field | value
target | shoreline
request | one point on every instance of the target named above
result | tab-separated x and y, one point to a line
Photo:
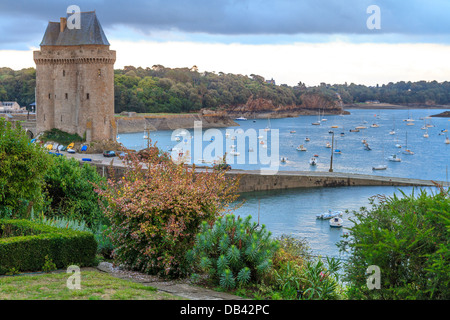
392	106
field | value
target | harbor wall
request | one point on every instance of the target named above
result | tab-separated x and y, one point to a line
251	181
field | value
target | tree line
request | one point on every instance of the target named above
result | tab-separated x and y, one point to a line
179	90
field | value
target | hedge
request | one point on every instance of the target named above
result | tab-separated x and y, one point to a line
24	246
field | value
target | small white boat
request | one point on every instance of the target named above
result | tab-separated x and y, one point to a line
392	132
380	167
328	145
329	214
307	139
336	222
394	158
374	125
241	119
313	161
301	148
293	131
447	140
283	159
71	151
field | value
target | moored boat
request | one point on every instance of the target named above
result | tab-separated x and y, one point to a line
336	222
329	214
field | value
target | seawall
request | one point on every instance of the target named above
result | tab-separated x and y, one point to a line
254	180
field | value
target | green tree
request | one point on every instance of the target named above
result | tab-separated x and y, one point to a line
70	192
408	238
22	168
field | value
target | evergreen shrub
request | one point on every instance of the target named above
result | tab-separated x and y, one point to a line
233	251
27	246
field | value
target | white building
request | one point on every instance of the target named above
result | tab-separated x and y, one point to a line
10	107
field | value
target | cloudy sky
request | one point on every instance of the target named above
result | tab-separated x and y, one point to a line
311	41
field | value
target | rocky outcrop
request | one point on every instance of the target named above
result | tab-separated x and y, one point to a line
445	114
264	108
172	122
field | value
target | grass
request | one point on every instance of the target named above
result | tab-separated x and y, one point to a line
95	285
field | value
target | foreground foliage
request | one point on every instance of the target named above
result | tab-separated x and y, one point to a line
70	192
157	208
30	246
233	251
408	239
22	168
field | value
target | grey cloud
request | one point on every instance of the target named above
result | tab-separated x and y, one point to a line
238	17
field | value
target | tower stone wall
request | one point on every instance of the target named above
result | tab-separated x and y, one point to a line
75	83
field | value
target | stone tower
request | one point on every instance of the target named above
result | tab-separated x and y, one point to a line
75	80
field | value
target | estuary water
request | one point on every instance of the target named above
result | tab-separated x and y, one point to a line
293	212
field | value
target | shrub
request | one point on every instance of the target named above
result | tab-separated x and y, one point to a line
233	251
101	232
156	210
289	262
29	246
22	167
408	239
320	280
70	192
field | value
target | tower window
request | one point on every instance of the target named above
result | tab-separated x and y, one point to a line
49	95
99	72
87	96
64	73
67	96
61	118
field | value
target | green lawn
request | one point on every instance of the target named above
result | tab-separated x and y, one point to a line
95	285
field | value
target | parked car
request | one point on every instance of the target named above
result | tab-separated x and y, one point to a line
109	153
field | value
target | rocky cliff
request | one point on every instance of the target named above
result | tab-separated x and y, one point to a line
263	108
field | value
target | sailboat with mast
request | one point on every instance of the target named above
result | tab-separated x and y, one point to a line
317	123
407	151
268	125
380	166
392	132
